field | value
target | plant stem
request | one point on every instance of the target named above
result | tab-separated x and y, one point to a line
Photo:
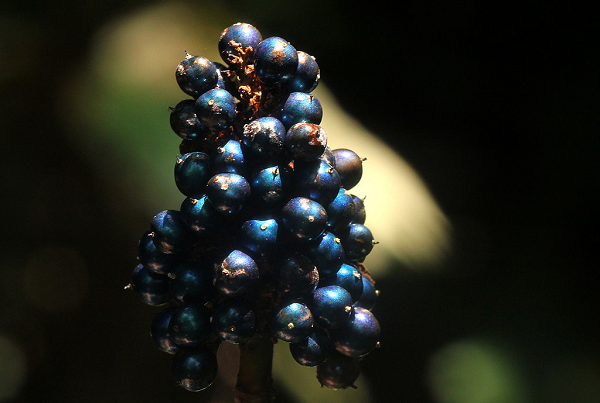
255	383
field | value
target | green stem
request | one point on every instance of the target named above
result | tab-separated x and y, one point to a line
255	382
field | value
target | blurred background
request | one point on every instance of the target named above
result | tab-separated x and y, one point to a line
479	122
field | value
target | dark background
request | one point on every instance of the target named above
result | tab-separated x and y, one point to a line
495	104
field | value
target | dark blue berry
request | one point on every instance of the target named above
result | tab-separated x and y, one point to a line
190	325
330	306
349	167
225	82
194	369
328	157
359	335
357	241
259	237
192	171
304	218
307	74
340	211
184	122
296	276
152	288
244	34
191	282
215	109
316	180
234	321
169	233
264	139
199	215
237	275
228	158
159	331
313	350
300	107
305	141
338	371
360	214
349	278
292	321
327	253
269	186
196	75
152	258
276	60
369	295
228	192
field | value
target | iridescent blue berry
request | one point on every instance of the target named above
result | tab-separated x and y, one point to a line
264	139
215	109
349	167
196	75
360	214
195	369
234	321
330	306
237	275
317	180
292	321
244	34
296	276
305	141
169	233
259	237
349	278
152	288
191	282
359	335
340	211
190	325
357	241
327	253
269	186
338	371
159	331
369	295
199	215
313	350
300	107
152	258
192	171
276	60
228	192
304	218
184	122
228	158
307	74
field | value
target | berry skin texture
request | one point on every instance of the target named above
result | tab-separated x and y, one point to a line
228	192
152	258
238	274
159	331
305	141
259	237
152	288
199	215
369	295
228	158
292	322
331	306
264	138
327	253
234	321
318	181
184	122
349	166
304	218
215	109
244	34
296	275
359	335
190	325
338	371
301	107
169	233
276	60
192	171
195	369
357	241
191	282
349	278
307	74
313	350
340	211
196	75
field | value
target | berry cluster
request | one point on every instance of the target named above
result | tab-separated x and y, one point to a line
268	239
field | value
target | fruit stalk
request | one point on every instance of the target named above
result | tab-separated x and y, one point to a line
255	382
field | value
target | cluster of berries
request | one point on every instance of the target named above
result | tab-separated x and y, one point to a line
268	239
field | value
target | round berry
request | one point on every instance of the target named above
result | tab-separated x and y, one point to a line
305	141
194	369
184	122
228	192
159	331
300	107
340	211
215	109
196	75
330	306
236	39
349	167
228	158
304	218
269	186
276	60
191	282
349	278
192	171
359	335
264	138
190	325
318	181
360	214
307	74
338	371
296	276
357	241
238	274
152	258
199	215
234	321
292	322
259	237
152	288
313	350
169	233
369	295
327	253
